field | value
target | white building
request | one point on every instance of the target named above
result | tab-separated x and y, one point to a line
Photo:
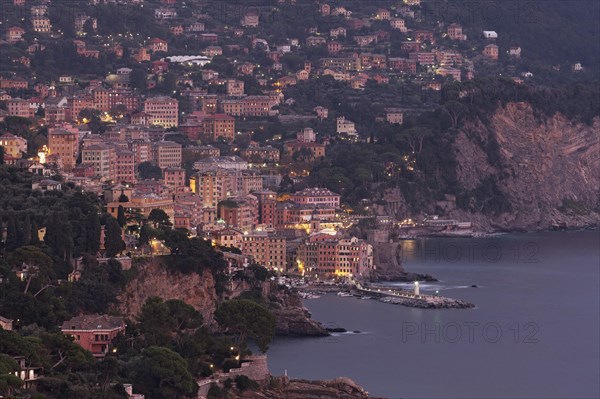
345	127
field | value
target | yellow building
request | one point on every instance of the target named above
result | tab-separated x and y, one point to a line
14	146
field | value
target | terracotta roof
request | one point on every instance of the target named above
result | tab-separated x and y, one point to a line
93	322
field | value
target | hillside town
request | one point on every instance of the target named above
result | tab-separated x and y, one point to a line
190	152
172	170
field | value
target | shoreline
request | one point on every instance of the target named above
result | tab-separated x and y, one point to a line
495	233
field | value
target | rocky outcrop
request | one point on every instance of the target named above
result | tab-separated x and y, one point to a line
548	169
296	321
153	279
291	317
387	257
281	387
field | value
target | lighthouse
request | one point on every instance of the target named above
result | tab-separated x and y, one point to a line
416	288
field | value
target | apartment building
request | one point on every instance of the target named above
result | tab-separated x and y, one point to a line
167	154
64	144
328	256
103	158
164	111
266	249
316	196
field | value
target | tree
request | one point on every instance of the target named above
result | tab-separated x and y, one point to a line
155	322
39	266
169	84
148	170
88	27
93	232
121	216
8	381
13	238
1	155
159	219
113	241
161	373
123	198
184	315
26	230
454	110
1	233
138	78
146	234
245	318
59	235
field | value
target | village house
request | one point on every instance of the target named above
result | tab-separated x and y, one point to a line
491	52
344	126
398	23
14	34
322	112
94	333
315	41
250	20
515	52
394	115
383	14
336	32
157	45
455	32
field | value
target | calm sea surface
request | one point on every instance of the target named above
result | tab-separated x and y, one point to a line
533	334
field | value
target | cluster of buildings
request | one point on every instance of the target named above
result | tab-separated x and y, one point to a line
228	198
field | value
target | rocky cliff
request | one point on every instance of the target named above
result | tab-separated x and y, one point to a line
548	169
292	318
518	171
153	279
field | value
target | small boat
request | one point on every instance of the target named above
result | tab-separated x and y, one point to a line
341	293
366	297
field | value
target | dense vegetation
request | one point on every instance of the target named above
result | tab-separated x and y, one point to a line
165	348
415	156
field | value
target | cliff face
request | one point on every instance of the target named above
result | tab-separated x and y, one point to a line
548	170
292	318
199	291
154	280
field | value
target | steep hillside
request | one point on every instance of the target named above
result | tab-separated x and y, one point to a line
535	172
153	279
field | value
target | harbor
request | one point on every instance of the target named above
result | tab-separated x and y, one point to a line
390	295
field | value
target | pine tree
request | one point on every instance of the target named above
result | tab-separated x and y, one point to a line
35	240
13	239
93	229
113	243
1	229
26	230
59	236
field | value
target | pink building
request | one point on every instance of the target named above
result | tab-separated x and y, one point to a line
317	196
174	178
94	333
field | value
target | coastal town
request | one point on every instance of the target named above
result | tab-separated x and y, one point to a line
172	170
194	153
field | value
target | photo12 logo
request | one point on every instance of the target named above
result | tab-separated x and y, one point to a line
470	332
472	252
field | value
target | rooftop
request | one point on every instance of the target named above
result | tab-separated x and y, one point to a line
93	322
